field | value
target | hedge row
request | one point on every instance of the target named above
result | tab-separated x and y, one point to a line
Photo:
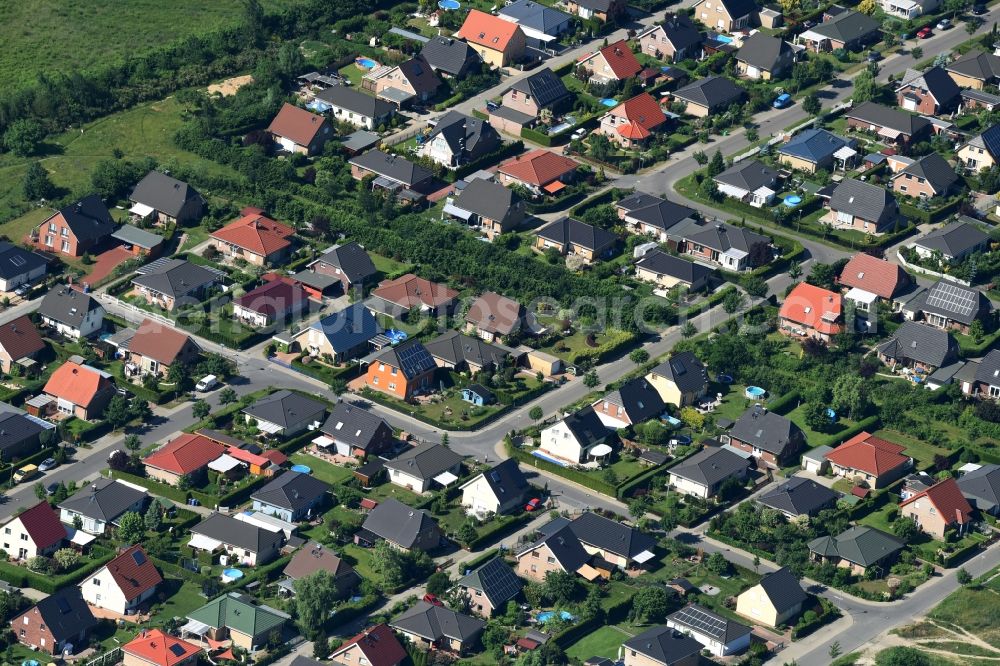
612	615
573	475
929	216
507	150
164	490
498	528
828	614
536	137
22	577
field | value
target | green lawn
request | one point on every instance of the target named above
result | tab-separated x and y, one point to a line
389	268
387	490
321	469
361	559
922	452
976	610
185	599
605	642
354	74
571	346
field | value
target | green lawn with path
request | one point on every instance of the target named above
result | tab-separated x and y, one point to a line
321	469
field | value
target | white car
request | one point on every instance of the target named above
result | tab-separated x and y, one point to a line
579	134
944	24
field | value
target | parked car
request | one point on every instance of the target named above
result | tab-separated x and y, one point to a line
492	106
579	134
432	599
874	56
51	489
533	504
944	24
47	464
925	33
782	100
206	383
979	10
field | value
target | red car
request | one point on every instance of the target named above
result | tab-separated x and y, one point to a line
925	33
533	504
432	599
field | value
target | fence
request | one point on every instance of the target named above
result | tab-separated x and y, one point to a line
106	659
146	314
927	271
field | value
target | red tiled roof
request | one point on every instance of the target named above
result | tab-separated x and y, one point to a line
257	234
946	497
42	525
20	338
620	59
813	307
134	573
162	649
874	275
248	457
634	131
185	455
870	454
296	124
487	30
275	456
379	645
539	167
411	291
368	503
158	342
641	110
76	384
275	297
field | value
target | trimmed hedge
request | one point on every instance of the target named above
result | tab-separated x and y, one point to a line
929	216
22	577
536	137
482	559
498	528
573	475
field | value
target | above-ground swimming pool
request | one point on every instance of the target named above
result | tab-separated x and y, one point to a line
545	616
607	101
793	200
301	469
449	4
366	63
395	335
231	574
683	440
754	392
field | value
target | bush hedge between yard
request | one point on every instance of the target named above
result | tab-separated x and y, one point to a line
498	528
22	577
576	476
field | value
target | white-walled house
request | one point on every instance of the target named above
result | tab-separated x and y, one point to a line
71	312
499	490
572	438
35	532
124	584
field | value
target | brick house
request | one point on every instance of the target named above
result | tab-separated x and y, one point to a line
940	508
633	122
80	390
928	177
155	348
19	339
558	550
402	371
675	39
930	92
348	263
375	646
186	456
75	229
255	238
871	459
296	130
770	438
56	625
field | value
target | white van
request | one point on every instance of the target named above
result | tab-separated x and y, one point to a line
206	383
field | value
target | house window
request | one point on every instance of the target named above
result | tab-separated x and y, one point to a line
24	537
65	246
6	530
48	241
995	391
374	380
52	226
97	582
64	232
551	560
392	387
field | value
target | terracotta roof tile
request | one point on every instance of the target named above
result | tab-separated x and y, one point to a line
256	233
874	275
379	646
488	30
641	110
813	307
134	573
159	648
539	167
947	499
274	298
76	383
158	342
185	454
494	313
297	124
412	291
870	454
620	59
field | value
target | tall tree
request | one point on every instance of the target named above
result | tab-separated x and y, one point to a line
315	596
37	184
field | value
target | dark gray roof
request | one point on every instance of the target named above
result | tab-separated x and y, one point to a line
103	499
355	101
860	544
765	52
411	357
638	398
935	81
664	645
935	170
922	343
685	370
712	92
864	200
433	623
596	5
531	14
989	140
360	140
508	484
496	579
679	30
356	426
164	193
783	590
611	536
951	300
740	8
814	145
138	237
420	75
349	328
425	461
449	55
663	263
487	198
981	487
980	96
286	408
766	431
392	167
571	231
16	431
848	27
15	261
988	369
457	348
654	211
748	175
88	218
67	305
398	523
799	497
711	466
176	278
467	136
954	239
350	258
976	64
700	620
291	490
234	532
586	427
544	86
884	116
66	614
513	115
563	543
722	236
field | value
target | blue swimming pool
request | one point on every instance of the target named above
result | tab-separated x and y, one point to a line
832	415
301	469
754	392
554	461
546	616
396	336
793	200
449	4
607	101
232	574
724	379
724	39
367	63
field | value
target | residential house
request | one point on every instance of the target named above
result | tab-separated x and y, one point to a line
291	496
499	490
286	413
614	62
411	80
80	390
296	130
21	434
155	647
949	305
750	181
864	207
981	488
20	343
478	395
891	125
402	371
718	635
612	542
633	122
652	216
76	229
490	586
124	584
676	39
185	457
458	140
138	243
703	474
772	439
357	108
394	174
601	10
427	625
908	10
573	237
156	348
811	312
409	292
255	238
918	347
573	437
661	646
985	381
734	248
798	497
976	69
555	550
541	24
536	92
539	171
848	30
403	527
420	466
938	509
375	646
58	625
71	312
454	350
349	263
953	242
871	459
764	57
931	92
498	42
487	205
710	95
356	432
35	532
169	283
980	152
343	335
101	504
270	303
680	380
161	198
243	543
869	278
726	15
814	149
776	600
492	316
635	402
668	271
973	100
19	267
450	57
315	557
237	617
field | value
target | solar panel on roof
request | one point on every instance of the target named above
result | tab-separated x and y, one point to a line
709	624
952	298
139	557
177	650
501	584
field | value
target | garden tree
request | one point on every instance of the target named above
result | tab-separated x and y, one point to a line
733	301
709	189
40	490
638	506
692	418
140	410
591	605
40	564
717	164
535	413
795	271
865	86
902	656
700	157
989	180
533	658
650	605
117	412
467	533
752	134
132	442
591	380
600	147
755	286
113	178
851	395
718	564
438	583
321	647
868	6
119	461
917	53
559	586
688	330
23	137
227	396
811	104
639	356
815	416
388	565
962	576
652	432
66	558
131	528
609	477
494	637
977	331
790	6
512	617
905	529
153	518
201	409
315	596
37	184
